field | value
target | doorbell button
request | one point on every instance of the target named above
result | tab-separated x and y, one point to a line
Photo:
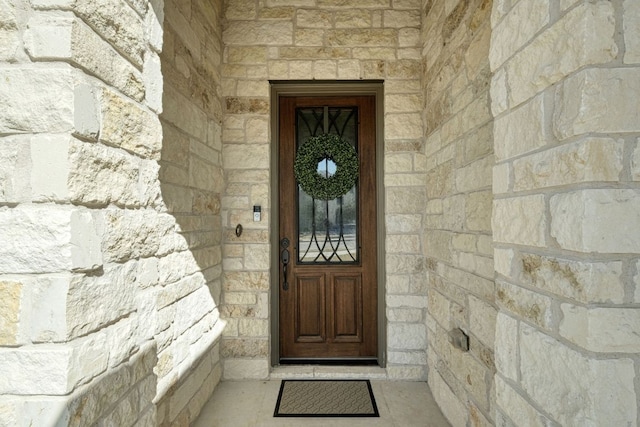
256	213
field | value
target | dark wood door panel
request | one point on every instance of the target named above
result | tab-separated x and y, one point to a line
329	309
345	294
310	306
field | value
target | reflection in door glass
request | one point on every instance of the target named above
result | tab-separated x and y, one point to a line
327	229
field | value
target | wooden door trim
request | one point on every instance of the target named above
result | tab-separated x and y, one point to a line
326	88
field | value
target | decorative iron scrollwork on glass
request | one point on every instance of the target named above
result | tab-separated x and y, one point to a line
327	229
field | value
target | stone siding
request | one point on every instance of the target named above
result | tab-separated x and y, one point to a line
324	40
457	229
109	284
135	135
192	182
566	212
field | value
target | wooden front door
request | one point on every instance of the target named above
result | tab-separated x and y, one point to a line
328	279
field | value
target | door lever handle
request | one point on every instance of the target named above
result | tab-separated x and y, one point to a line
284	258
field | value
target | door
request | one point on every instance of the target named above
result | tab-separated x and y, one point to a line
328	278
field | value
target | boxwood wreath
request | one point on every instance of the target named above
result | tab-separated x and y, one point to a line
331	147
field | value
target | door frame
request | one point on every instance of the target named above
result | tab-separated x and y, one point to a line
278	89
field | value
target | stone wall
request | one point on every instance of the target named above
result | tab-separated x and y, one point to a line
566	213
458	130
105	308
323	40
124	171
192	182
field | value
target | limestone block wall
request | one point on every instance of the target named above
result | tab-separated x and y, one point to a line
458	130
105	308
566	215
192	182
322	40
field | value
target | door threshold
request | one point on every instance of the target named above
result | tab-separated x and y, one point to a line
372	372
330	361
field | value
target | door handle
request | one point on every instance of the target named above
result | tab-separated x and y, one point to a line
284	258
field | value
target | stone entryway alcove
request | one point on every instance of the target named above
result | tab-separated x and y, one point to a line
135	136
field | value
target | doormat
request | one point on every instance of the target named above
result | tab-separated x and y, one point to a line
326	398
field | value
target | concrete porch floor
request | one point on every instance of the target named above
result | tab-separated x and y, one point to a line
251	403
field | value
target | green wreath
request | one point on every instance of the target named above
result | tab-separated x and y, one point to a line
333	148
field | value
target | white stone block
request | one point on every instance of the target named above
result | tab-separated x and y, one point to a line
86	119
603	221
585	36
11	308
153	81
52	369
89	358
514	405
403	223
50	4
501	178
407	358
598	100
131	234
15	169
182	112
62	35
403	126
43	316
48	239
478	209
592	159
36	99
499	92
132	127
475	176
531	306
256	32
405	373
26	411
604	330
521	130
484	288
631	26
587	282
519	26
474	115
50	167
253	327
506	346
153	25
172	292
520	220
86	253
94	302
502	261
407	336
120	25
635	162
257	130
452	408
404	314
573	388
253	88
482	321
150	189
192	308
246	156
49	35
122	338
13	16
565	4
440	309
